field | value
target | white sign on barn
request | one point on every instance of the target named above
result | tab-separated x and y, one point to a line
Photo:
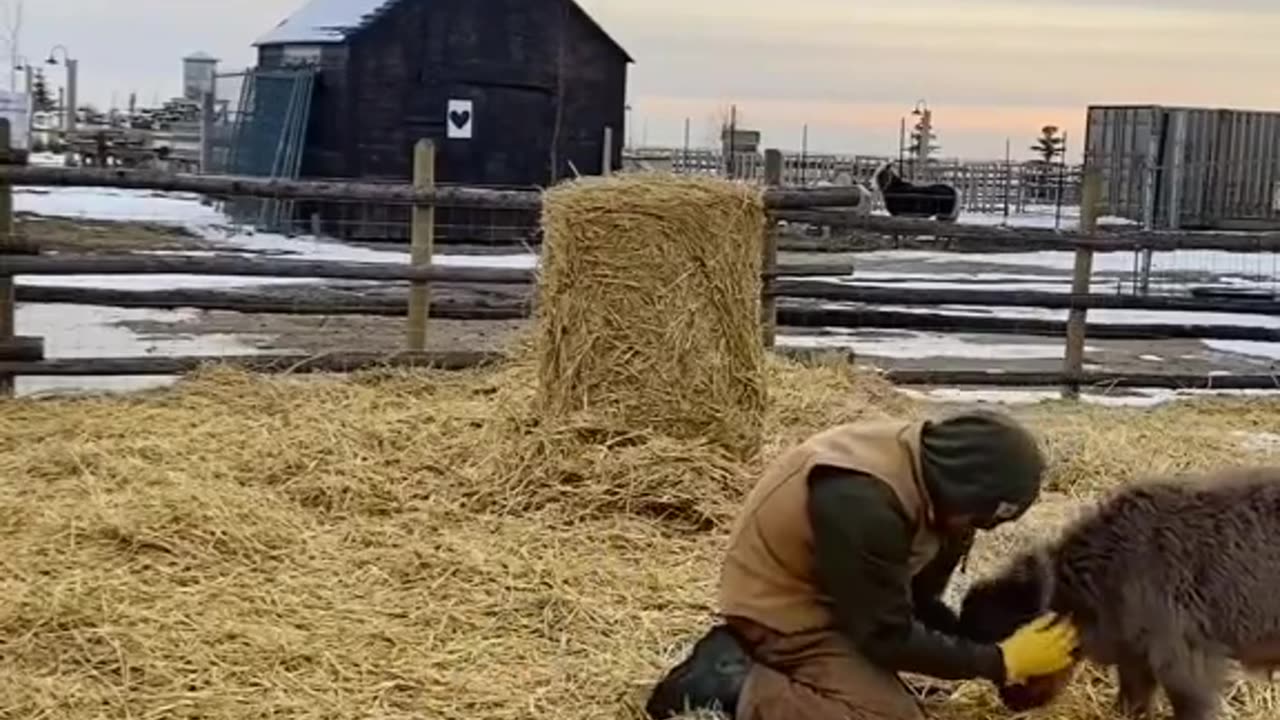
460	119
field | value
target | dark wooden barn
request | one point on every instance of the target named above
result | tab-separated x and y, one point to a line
540	78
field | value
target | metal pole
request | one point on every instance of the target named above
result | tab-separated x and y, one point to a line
606	160
733	131
31	105
686	145
804	153
73	67
1008	172
902	141
1062	179
206	131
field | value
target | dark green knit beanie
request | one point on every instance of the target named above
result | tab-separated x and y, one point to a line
982	463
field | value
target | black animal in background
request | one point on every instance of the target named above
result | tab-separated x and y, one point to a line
1167	581
906	199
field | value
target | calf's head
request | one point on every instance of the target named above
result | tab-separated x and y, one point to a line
995	608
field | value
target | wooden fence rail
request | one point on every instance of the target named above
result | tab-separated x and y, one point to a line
957	234
134	264
351	362
788	314
345	191
776	286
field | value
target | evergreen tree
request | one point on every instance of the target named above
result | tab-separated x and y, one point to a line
41	100
922	137
1050	145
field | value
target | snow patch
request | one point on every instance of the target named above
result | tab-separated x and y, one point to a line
1264	443
77	331
323	21
1138	398
916	345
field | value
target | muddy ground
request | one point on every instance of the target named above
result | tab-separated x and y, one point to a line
52	234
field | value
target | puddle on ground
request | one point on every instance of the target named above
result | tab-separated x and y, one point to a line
78	331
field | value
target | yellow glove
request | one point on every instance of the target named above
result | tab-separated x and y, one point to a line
1041	647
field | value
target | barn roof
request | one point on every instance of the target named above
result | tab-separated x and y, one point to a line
323	21
331	21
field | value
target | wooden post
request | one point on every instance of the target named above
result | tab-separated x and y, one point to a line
606	163
206	132
8	243
1073	361
423	243
769	264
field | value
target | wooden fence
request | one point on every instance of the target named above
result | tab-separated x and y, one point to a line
783	285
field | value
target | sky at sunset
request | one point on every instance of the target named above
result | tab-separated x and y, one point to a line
989	69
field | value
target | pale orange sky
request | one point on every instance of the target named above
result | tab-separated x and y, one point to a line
989	69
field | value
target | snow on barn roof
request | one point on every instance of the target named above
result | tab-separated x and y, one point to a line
323	21
330	21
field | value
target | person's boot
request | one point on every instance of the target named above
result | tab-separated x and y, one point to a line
710	678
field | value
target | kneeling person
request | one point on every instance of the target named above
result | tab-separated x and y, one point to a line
836	567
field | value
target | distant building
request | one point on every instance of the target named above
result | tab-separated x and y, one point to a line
515	93
198	73
1193	168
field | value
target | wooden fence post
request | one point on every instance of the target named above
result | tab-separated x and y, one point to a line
8	243
769	264
423	243
1073	360
606	163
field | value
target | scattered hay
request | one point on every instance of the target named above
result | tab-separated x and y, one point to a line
648	306
420	545
1091	448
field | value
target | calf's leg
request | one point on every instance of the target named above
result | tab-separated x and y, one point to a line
1193	703
1195	691
1137	688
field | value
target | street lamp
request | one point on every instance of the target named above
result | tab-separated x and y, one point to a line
69	112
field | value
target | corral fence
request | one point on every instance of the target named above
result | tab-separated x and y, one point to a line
799	296
984	186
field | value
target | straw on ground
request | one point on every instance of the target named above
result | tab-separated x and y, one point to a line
418	545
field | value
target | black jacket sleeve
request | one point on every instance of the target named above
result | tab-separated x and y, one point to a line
929	584
862	544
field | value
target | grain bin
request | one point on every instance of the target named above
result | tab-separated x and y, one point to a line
1183	167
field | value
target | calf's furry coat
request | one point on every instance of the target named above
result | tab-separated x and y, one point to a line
1167	581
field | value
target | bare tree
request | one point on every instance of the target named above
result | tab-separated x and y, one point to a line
719	120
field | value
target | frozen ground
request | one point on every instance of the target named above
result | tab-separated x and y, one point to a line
72	331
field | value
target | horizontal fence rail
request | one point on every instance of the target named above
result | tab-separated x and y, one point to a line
353	362
388	193
133	264
1111	240
350	302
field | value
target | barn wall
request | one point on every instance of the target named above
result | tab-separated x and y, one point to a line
504	56
595	98
389	85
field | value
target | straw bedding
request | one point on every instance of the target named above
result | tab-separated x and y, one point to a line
405	545
649	306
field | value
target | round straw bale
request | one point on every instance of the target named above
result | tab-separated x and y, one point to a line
649	306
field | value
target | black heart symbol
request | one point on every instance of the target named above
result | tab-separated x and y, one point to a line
460	118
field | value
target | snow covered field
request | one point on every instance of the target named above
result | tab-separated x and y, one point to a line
72	331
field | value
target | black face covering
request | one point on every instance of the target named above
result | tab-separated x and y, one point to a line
983	464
